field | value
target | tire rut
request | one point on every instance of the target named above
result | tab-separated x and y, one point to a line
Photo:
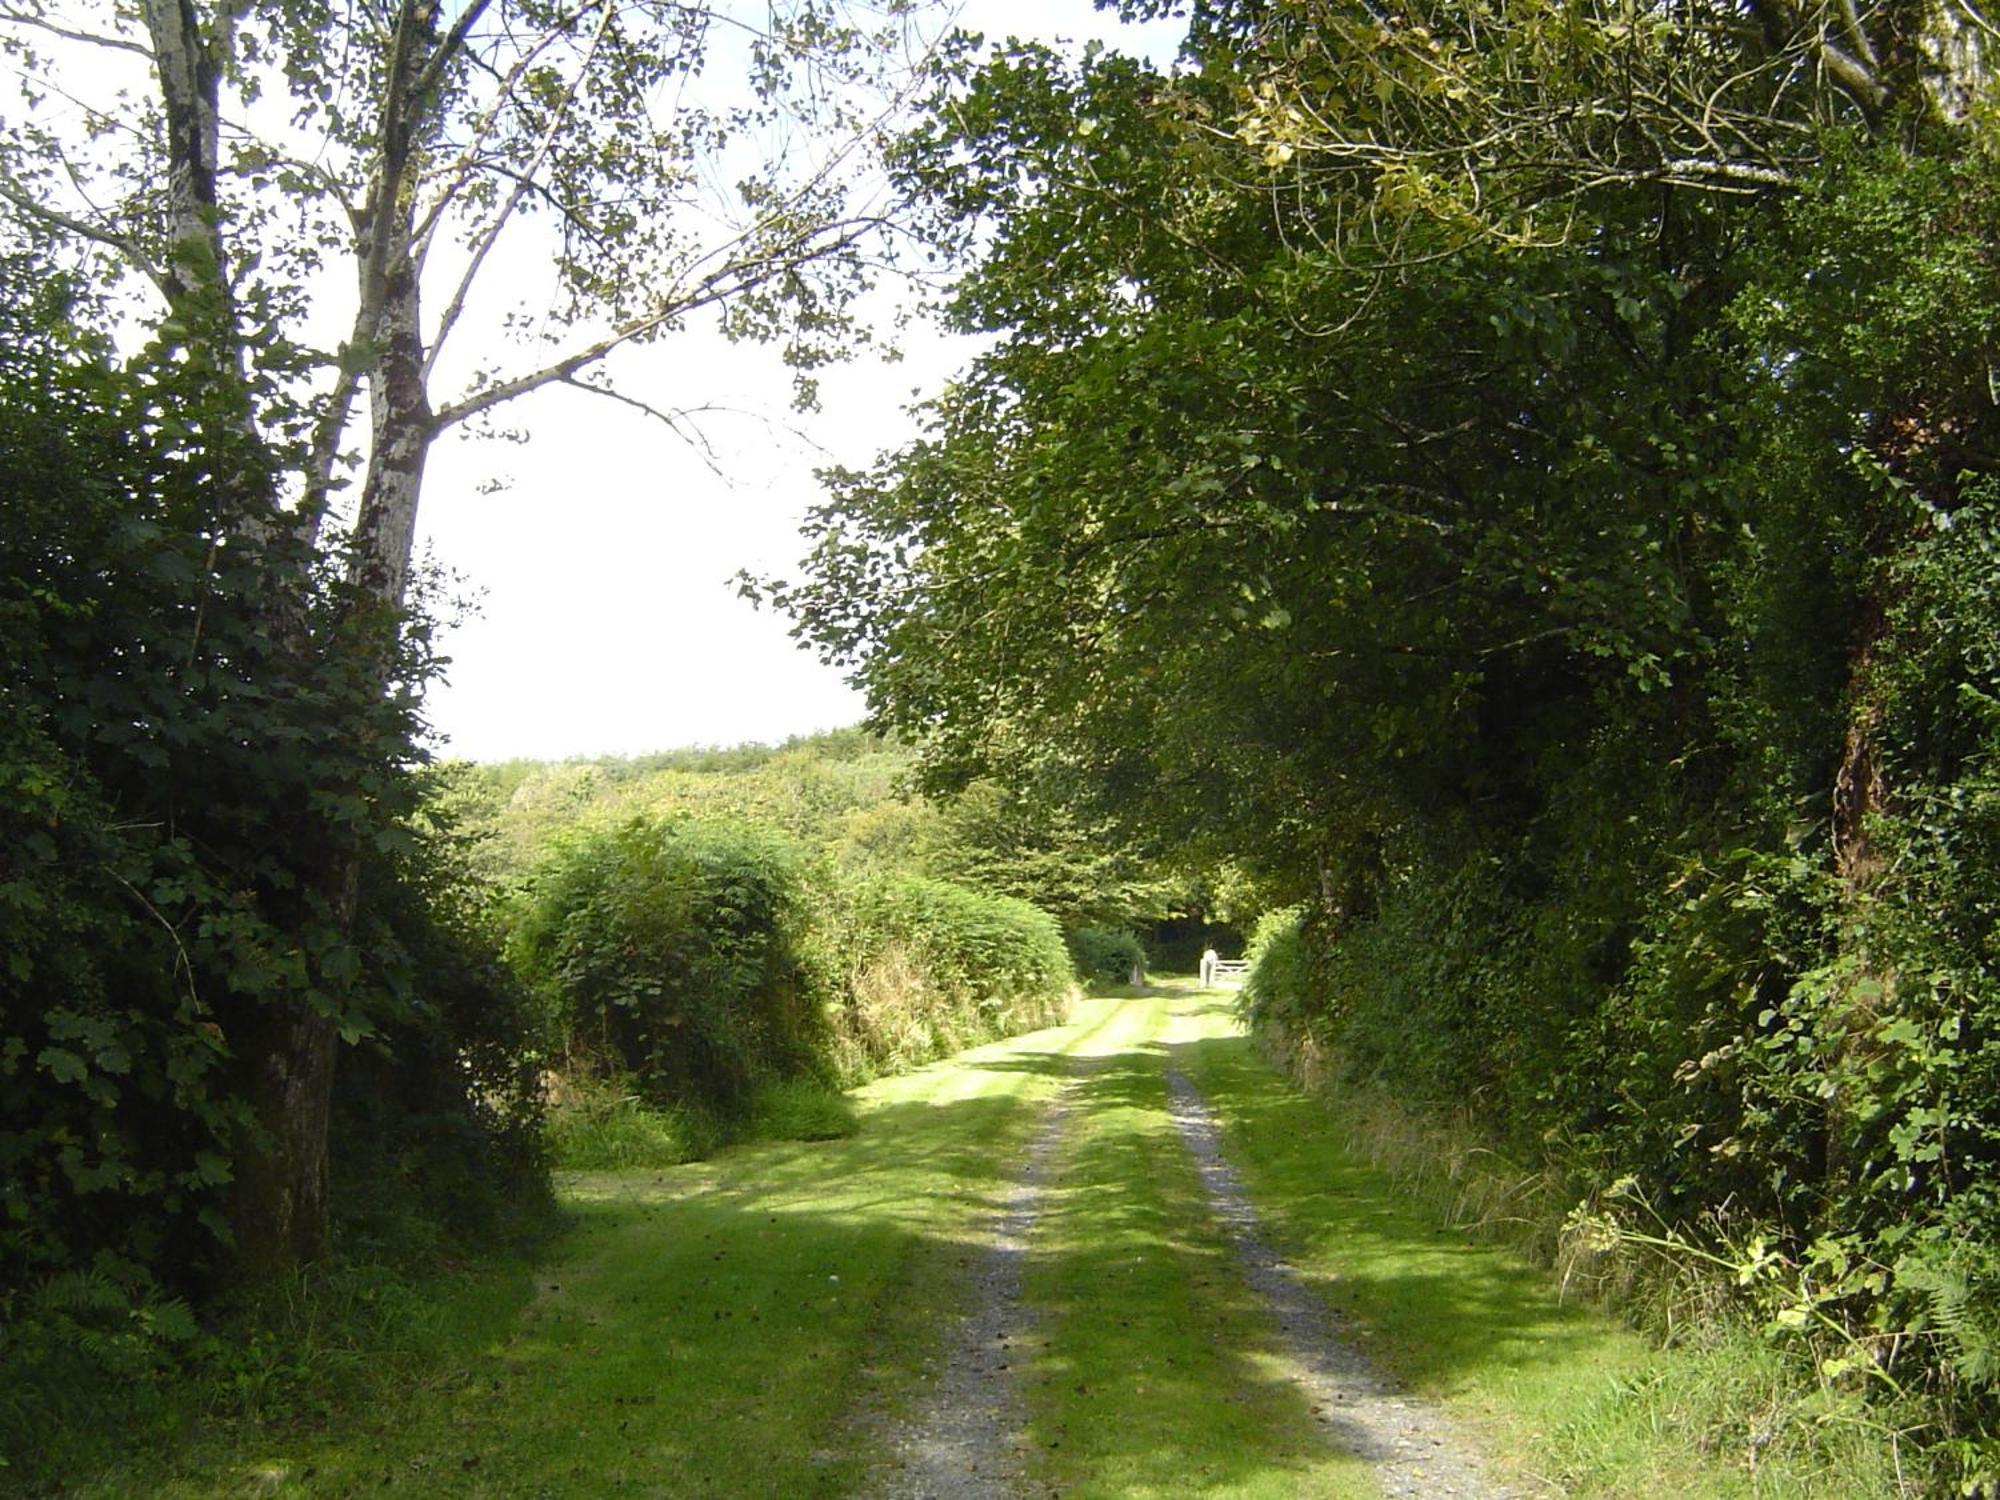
967	1441
1413	1447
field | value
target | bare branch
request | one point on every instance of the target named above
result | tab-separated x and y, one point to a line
464	168
26	203
687	432
524	181
15	15
736	276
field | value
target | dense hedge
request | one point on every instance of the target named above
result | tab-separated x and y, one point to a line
210	826
928	967
671	951
1107	955
707	962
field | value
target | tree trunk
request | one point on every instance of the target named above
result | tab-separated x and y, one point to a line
279	1211
401	429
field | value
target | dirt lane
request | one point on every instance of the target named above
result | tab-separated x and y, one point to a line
1416	1451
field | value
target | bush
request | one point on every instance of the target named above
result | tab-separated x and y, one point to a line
1107	955
669	952
706	981
928	967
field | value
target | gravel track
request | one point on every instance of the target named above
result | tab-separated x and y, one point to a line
968	1438
1415	1450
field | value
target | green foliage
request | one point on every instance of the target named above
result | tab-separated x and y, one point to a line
1107	955
208	831
818	789
928	968
1027	845
1280	989
710	980
980	952
845	794
1586	622
670	952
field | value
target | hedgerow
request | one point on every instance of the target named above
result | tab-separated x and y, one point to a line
671	952
928	967
704	970
1107	955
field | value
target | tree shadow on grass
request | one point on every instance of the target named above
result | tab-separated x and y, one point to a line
1160	1371
1436	1306
714	1329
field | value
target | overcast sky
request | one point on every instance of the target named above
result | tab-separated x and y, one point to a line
605	621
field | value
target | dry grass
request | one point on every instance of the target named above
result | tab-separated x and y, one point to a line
897	1017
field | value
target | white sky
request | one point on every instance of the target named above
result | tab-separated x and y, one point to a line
606	622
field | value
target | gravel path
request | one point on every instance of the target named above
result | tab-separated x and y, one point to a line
967	1440
1415	1450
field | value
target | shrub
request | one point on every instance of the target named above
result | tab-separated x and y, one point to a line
1107	955
670	952
928	967
208	831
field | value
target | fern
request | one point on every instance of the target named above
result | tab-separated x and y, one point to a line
1958	1288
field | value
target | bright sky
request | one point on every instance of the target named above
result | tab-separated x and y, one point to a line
606	622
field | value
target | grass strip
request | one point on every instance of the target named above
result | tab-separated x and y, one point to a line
1562	1394
1156	1370
706	1330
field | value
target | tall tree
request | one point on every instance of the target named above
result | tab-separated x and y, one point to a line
241	158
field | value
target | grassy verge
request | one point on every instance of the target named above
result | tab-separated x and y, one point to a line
706	1330
1155	1373
122	1414
1562	1393
730	1327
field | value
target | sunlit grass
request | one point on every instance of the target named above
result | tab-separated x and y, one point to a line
748	1325
1155	1372
708	1329
1563	1393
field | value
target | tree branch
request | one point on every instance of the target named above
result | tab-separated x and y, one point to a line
671	420
462	171
524	182
19	17
55	218
725	282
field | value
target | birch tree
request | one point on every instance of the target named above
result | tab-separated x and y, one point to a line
260	154
323	210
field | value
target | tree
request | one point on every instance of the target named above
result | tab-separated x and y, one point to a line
281	145
174	772
244	153
1502	499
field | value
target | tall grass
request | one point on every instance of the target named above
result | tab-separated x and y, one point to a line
604	1124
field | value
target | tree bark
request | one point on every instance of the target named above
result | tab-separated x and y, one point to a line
279	1214
401	427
